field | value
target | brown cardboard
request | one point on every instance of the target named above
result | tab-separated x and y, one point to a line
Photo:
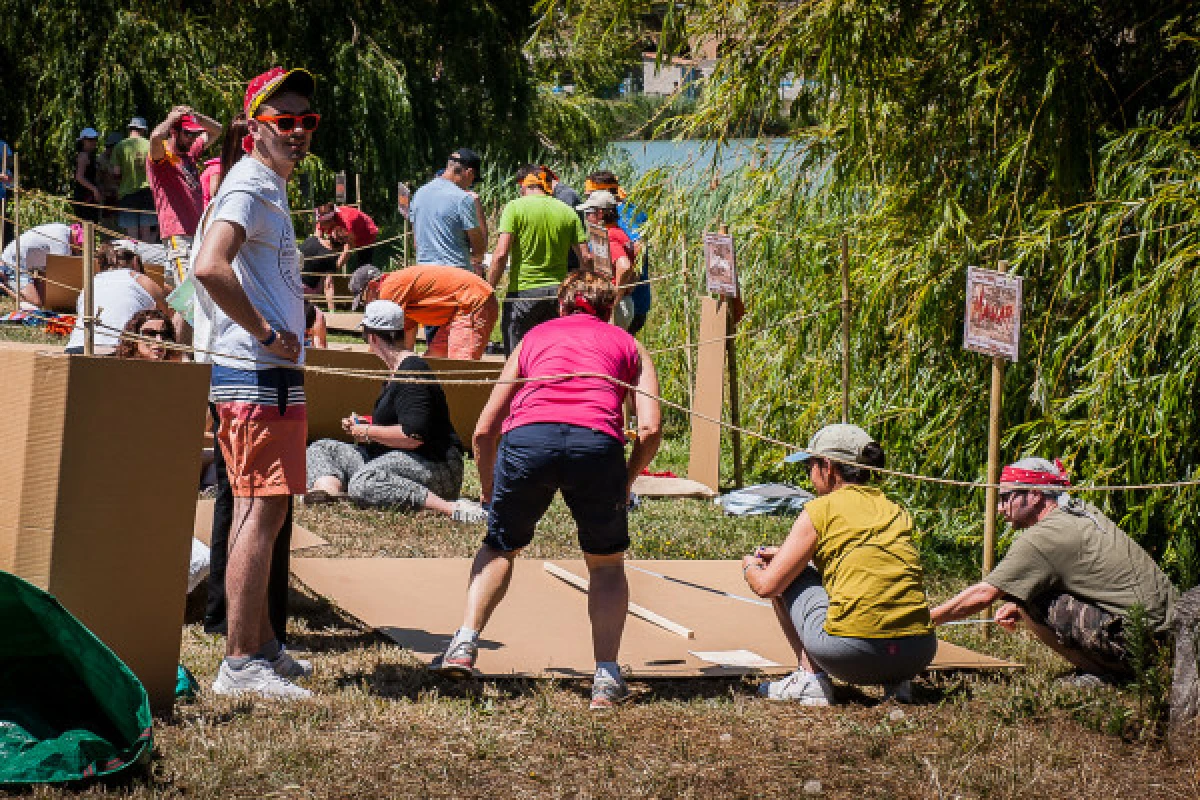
655	486
704	457
98	493
332	397
343	321
302	538
541	628
66	270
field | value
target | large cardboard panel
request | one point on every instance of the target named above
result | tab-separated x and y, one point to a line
332	397
66	272
102	478
302	538
704	457
343	321
541	628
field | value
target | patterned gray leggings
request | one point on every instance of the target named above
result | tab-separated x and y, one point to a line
400	478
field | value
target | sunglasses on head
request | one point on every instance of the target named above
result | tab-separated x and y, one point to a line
161	334
288	122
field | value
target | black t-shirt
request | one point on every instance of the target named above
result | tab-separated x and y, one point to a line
420	408
317	258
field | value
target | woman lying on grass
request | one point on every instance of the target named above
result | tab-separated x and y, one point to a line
858	612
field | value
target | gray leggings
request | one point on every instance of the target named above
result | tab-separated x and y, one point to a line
849	658
399	478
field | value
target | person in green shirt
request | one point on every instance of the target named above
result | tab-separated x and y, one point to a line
536	233
134	197
846	583
1071	577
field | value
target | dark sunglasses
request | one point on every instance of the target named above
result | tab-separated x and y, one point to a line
288	122
157	333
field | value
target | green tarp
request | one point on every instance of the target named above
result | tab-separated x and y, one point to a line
70	710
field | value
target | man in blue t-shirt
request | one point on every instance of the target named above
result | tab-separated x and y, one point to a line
448	223
630	220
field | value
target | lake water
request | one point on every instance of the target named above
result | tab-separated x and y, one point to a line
696	156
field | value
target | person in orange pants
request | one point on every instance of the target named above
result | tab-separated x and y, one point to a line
462	305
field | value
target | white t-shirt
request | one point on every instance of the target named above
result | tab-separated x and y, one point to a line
51	239
254	197
118	296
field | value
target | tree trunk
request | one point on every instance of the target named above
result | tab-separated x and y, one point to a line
1185	687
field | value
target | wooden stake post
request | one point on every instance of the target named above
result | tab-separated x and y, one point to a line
715	346
89	299
17	221
991	494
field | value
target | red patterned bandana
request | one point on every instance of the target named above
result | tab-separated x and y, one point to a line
1033	477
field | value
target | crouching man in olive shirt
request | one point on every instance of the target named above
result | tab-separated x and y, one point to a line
1072	576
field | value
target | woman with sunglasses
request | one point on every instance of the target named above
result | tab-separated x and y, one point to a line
846	583
146	336
119	292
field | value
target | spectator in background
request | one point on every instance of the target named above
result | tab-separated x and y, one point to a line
316	334
460	304
118	292
155	327
447	219
133	188
631	221
359	232
536	233
106	174
232	150
320	251
406	455
53	238
210	179
176	144
6	170
601	210
568	195
85	190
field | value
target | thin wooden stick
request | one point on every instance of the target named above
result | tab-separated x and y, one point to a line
845	328
634	608
89	297
990	495
17	220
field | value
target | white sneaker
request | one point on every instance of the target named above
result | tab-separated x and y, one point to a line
801	686
257	677
287	666
469	512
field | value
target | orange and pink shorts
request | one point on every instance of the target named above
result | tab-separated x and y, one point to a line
263	427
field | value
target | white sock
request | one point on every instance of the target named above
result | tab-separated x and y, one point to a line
608	669
465	635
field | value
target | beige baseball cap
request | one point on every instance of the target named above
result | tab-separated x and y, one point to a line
840	441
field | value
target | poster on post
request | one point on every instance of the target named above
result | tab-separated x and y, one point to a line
993	321
719	266
601	258
339	187
403	198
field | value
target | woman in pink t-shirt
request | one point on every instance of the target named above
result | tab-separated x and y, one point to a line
538	437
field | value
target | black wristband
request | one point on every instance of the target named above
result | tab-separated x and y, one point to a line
267	342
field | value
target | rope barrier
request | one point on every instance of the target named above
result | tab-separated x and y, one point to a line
429	378
35	193
797	317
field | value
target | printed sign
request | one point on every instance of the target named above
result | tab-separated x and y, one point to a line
993	322
601	259
719	264
339	187
403	197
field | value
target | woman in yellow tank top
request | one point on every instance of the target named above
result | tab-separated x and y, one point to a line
847	583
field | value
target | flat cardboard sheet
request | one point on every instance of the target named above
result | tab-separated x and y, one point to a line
95	447
651	486
541	628
302	538
332	397
66	270
342	321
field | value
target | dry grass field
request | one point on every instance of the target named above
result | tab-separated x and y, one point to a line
381	726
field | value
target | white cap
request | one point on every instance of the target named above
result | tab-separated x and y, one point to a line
383	315
89	133
599	199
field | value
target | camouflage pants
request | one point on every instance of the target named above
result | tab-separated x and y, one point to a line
1084	628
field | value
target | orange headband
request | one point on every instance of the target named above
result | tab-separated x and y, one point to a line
536	181
590	186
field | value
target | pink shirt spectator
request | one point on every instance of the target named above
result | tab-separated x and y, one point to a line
361	227
212	168
578	343
175	182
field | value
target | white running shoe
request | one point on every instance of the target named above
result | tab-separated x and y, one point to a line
257	677
802	687
469	512
288	666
